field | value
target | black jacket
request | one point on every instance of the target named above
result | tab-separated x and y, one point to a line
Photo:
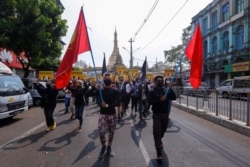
159	106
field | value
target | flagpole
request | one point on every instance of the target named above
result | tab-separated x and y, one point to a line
176	69
92	58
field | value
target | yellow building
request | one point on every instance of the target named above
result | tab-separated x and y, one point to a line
168	72
46	75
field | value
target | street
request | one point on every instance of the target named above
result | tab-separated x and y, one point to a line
189	142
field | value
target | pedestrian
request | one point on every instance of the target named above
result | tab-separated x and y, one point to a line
49	100
67	100
143	101
134	96
125	96
107	119
79	103
160	105
150	86
72	88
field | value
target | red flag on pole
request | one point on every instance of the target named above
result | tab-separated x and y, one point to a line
79	43
194	53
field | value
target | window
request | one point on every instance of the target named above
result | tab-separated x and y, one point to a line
239	40
214	45
205	49
204	25
239	6
225	41
214	21
225	12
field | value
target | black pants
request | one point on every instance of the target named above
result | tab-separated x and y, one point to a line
134	101
160	124
48	111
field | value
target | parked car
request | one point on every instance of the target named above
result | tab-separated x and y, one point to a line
237	87
202	91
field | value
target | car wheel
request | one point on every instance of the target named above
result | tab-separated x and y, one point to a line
37	101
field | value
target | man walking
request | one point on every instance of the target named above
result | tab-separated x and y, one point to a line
160	105
107	119
49	100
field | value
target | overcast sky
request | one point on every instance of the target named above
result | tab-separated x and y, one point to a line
161	30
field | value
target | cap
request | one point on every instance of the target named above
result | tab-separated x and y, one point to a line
158	76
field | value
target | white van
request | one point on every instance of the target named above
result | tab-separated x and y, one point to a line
13	94
238	86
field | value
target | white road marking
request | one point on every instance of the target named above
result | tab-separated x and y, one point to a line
141	146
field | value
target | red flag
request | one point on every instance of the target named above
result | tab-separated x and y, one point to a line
194	53
79	43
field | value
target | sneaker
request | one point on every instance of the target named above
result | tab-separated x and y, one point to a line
102	152
48	129
110	152
53	126
79	129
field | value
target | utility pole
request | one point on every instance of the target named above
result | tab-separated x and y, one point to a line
131	53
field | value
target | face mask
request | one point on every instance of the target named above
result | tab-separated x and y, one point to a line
107	82
159	83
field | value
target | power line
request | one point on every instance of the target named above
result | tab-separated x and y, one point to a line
146	19
164	27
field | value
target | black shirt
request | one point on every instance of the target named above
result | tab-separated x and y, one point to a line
112	98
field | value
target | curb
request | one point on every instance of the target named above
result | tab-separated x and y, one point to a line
236	126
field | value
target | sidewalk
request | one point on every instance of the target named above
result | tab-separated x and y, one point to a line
234	125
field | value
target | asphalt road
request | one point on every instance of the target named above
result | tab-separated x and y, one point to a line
189	142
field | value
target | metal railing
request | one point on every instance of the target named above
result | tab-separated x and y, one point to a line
232	108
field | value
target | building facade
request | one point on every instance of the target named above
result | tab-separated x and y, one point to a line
226	39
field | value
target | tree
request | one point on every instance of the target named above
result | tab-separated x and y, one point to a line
173	55
35	28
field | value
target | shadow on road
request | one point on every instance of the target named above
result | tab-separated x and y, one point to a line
24	141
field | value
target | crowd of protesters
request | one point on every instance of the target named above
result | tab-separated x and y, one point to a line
114	99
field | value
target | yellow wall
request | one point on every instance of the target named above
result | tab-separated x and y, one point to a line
46	75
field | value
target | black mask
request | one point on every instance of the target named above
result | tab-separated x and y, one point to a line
107	82
159	83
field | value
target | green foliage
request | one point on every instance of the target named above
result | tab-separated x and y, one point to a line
173	55
34	27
